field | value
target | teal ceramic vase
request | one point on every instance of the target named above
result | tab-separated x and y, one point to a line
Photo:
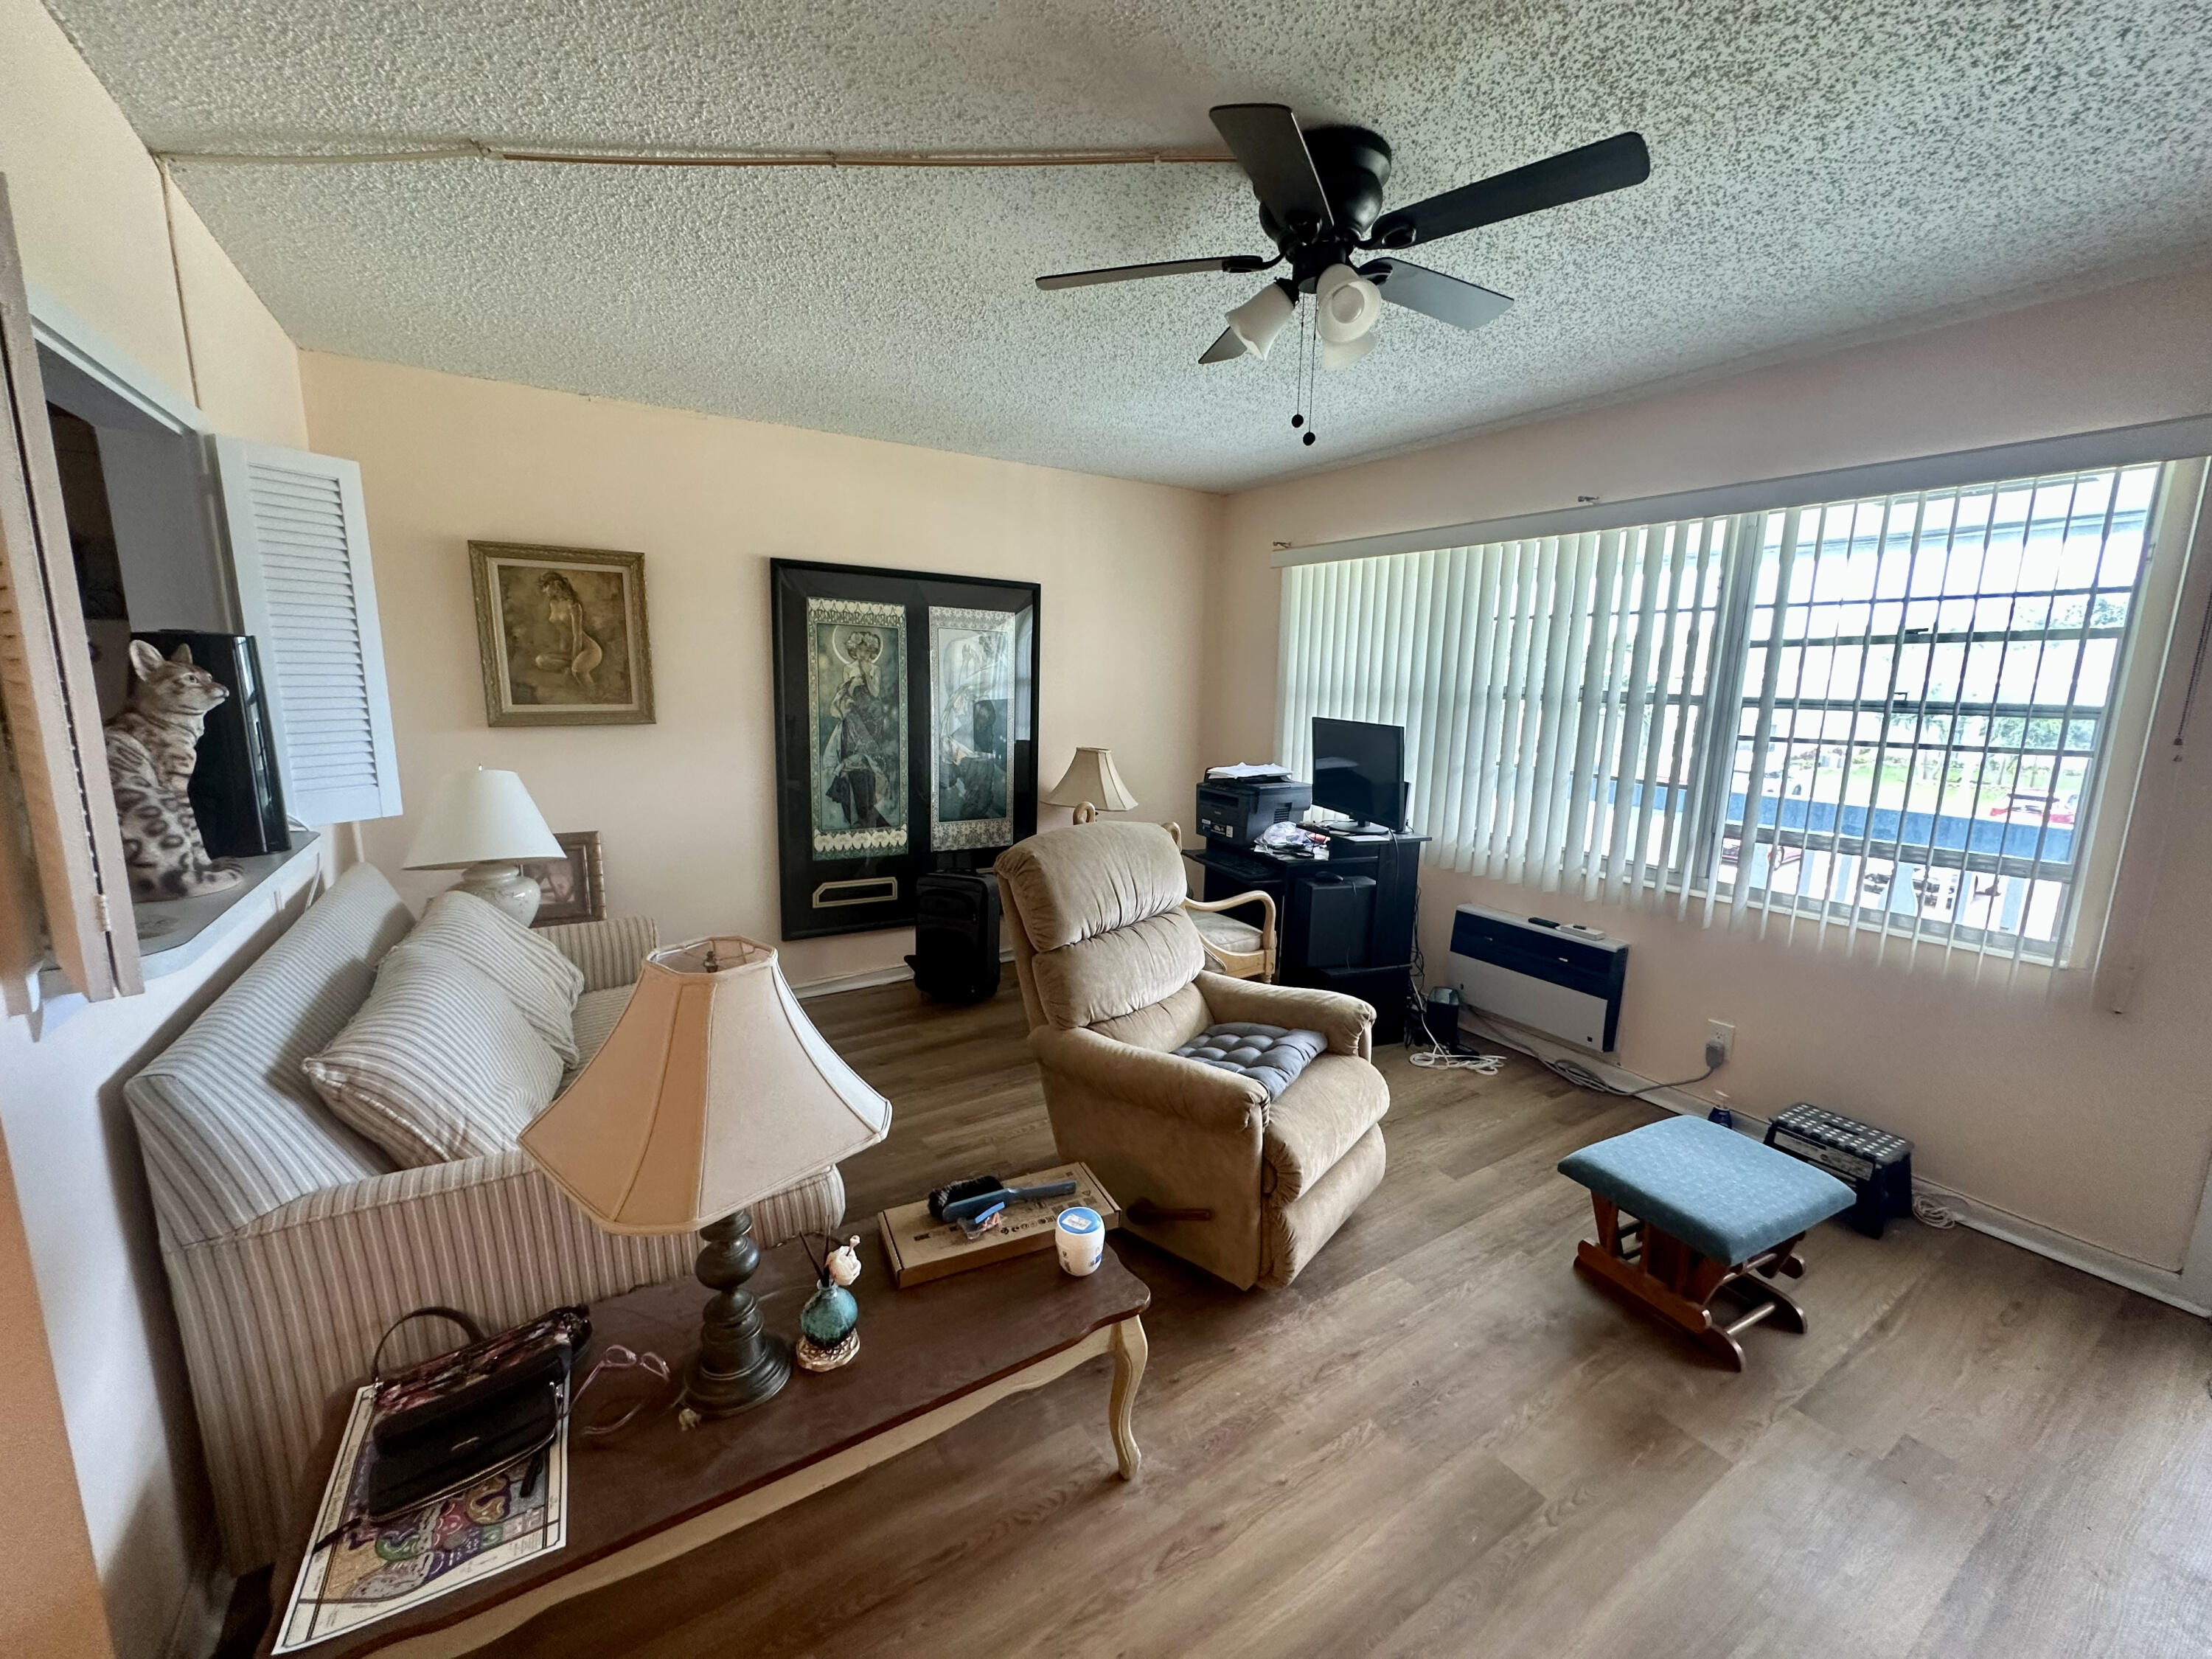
829	1326
829	1316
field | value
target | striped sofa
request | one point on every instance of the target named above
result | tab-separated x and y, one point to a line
291	1243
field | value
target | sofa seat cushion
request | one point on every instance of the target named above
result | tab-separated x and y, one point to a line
597	1012
437	1064
1225	934
541	983
1270	1056
1321	1116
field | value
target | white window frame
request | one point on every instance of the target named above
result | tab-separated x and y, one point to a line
2118	754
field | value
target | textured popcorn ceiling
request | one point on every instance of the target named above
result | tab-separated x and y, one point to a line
1819	169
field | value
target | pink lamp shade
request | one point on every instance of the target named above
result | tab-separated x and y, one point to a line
712	1091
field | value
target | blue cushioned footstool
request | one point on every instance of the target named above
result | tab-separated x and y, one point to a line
1709	1212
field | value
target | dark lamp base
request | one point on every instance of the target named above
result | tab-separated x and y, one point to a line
737	1366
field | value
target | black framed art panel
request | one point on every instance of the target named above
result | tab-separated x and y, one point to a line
906	708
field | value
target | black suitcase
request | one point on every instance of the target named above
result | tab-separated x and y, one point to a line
956	936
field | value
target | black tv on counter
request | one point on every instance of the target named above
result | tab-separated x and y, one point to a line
1360	770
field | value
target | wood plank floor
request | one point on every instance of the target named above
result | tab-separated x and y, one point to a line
1442	1441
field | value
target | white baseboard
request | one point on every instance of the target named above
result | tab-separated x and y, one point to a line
2126	1271
863	982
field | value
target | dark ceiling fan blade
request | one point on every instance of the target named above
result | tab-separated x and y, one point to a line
1165	268
1448	299
1224	349
1611	163
1267	144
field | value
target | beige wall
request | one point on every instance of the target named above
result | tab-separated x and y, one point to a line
685	807
49	1588
2096	1125
88	206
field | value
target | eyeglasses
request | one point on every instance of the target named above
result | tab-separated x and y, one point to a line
615	1417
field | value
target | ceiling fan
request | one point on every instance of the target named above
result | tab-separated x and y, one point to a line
1321	191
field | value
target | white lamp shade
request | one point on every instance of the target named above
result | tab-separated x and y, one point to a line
1342	354
1345	304
1260	319
712	1091
481	817
1090	777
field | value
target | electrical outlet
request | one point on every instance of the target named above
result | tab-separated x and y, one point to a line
1720	1042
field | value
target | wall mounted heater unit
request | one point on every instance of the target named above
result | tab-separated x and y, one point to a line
1554	978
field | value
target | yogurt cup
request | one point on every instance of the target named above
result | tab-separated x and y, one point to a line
1080	1238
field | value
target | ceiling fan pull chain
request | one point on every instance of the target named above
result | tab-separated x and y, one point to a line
1312	383
1299	377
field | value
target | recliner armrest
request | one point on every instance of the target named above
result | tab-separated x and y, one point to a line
1346	1022
1170	1083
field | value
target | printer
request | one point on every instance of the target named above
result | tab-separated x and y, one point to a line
1236	810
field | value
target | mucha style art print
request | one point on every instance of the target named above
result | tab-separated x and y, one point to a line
856	692
906	707
971	668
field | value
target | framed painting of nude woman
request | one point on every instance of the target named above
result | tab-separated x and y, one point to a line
906	720
561	633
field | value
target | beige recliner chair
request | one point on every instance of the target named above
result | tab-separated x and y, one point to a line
1112	975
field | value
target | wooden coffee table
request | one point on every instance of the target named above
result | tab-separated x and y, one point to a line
929	1358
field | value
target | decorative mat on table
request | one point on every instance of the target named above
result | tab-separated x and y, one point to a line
359	1573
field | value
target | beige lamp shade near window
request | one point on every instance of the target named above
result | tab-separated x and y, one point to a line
1091	778
482	815
713	1090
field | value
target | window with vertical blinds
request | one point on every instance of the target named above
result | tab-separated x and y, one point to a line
1890	712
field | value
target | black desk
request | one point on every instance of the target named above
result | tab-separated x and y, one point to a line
1392	862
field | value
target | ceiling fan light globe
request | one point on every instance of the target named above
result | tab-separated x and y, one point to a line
1262	317
1342	354
1345	304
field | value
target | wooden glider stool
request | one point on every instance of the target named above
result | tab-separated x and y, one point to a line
1714	1213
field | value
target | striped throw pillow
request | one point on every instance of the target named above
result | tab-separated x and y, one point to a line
542	984
437	1064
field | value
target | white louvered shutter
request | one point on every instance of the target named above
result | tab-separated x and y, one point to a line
299	544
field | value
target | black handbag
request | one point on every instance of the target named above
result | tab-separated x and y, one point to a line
442	1425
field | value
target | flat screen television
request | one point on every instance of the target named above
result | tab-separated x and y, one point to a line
1360	770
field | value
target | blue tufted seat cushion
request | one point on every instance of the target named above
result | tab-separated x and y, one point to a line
1722	1194
1270	1055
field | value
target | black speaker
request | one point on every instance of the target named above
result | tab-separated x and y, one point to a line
235	792
956	936
1329	920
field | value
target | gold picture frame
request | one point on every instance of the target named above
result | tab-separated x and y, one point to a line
573	888
561	633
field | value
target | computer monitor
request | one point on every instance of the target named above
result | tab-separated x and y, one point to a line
1360	770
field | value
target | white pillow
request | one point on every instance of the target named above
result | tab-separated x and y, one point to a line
542	984
437	1064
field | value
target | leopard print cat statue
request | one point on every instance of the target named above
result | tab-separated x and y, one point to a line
151	746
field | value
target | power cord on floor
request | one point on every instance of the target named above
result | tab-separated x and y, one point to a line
1582	1077
1438	1057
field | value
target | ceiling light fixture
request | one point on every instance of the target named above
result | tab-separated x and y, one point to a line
1257	322
1346	304
1342	354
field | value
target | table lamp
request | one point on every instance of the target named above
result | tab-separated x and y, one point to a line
483	823
1091	782
713	1090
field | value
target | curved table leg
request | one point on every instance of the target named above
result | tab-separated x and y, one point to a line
1130	1349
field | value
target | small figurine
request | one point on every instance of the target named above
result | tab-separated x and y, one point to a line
829	1326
